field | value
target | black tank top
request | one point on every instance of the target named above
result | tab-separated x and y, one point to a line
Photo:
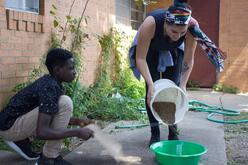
160	42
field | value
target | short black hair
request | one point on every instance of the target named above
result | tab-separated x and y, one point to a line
57	57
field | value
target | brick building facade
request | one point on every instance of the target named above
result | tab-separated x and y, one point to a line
25	37
233	38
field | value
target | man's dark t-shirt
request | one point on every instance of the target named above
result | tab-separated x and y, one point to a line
43	93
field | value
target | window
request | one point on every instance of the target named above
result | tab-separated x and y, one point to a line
137	14
23	5
25	15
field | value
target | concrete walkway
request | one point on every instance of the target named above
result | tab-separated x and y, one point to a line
236	102
135	143
194	127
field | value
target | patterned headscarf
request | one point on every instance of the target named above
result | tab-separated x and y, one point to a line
214	54
178	14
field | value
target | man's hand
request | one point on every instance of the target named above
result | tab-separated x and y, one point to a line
85	133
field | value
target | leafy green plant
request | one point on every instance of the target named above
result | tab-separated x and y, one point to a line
226	88
122	77
193	84
218	87
72	27
114	77
145	2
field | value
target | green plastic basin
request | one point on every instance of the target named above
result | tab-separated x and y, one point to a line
177	152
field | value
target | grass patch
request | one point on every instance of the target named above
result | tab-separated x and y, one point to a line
193	85
234	129
226	88
4	146
236	141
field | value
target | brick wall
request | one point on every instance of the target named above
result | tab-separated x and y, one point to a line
25	37
234	40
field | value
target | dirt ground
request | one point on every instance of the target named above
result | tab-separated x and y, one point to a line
236	137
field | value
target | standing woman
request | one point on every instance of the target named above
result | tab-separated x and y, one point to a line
164	48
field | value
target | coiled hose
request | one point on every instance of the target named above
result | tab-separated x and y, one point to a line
196	105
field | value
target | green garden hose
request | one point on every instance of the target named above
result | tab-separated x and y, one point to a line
131	126
196	105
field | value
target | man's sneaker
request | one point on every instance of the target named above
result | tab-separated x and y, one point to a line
51	161
24	148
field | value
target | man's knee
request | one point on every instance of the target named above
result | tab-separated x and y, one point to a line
66	103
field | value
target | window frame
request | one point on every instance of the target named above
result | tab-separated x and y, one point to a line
23	10
27	21
139	11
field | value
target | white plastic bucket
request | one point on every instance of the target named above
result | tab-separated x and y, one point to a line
165	90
